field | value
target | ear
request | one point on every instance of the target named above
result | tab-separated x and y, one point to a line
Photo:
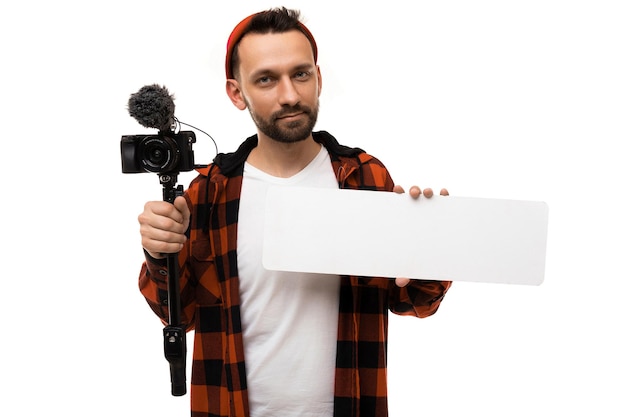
319	81
234	93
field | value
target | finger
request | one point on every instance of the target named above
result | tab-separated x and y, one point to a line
415	191
428	192
402	282
162	209
181	205
151	222
444	192
157	249
163	230
398	189
156	240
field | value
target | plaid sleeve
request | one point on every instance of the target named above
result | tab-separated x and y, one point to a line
153	281
153	285
420	298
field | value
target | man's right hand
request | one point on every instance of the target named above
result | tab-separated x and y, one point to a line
162	226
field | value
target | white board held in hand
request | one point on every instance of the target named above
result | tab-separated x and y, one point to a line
385	234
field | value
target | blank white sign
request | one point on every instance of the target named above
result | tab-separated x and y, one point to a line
384	234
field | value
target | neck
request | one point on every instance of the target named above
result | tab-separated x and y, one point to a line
283	159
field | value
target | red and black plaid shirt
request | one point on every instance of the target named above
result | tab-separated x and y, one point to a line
210	300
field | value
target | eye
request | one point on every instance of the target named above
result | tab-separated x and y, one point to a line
264	80
302	75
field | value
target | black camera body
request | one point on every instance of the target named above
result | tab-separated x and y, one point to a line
166	152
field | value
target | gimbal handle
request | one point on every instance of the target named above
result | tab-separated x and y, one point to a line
174	336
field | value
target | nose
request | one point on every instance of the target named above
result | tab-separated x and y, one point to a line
287	92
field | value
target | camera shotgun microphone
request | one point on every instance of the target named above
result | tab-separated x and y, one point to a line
153	107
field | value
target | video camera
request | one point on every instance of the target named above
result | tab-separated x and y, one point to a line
165	152
168	152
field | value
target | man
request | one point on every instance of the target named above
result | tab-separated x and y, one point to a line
272	343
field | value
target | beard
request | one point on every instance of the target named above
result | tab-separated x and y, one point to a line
291	132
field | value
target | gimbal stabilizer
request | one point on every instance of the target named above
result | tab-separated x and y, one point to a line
174	336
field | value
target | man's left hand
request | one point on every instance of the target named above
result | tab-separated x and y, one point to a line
414	192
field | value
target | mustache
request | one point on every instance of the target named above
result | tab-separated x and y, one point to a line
290	110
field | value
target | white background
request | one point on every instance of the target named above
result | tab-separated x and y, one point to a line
500	99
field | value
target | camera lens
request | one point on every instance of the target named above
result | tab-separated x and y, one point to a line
158	154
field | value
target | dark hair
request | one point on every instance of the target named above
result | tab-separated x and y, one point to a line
276	20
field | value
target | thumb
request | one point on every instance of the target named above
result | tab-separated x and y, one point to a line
402	282
181	205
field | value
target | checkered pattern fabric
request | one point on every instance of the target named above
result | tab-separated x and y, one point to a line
211	304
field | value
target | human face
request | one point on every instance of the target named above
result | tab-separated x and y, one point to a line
280	84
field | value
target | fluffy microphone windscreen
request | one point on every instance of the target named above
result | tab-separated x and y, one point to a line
152	106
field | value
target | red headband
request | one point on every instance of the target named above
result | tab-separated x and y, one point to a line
238	33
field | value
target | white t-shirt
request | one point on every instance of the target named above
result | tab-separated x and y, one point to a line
289	319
